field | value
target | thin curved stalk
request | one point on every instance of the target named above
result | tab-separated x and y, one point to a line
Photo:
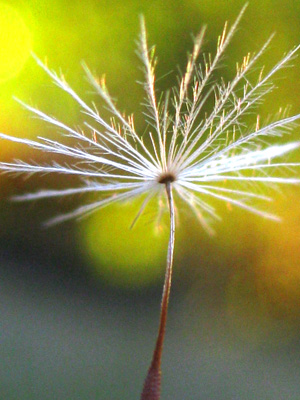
152	384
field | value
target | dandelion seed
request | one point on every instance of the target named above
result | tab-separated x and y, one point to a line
196	155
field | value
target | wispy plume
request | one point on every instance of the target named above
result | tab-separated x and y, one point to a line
188	151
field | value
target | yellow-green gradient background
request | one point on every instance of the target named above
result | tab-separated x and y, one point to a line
79	303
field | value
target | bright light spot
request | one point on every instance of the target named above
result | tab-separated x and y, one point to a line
15	42
122	256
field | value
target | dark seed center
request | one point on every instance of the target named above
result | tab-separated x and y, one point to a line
167	177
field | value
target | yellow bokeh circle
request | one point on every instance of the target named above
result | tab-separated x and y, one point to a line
15	42
124	257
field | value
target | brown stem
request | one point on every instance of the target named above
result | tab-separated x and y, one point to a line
151	390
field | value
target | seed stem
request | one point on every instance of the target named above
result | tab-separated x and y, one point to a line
152	384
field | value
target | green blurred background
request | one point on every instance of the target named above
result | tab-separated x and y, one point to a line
79	303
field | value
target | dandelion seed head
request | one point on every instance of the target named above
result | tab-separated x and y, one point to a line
166	177
203	155
197	149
